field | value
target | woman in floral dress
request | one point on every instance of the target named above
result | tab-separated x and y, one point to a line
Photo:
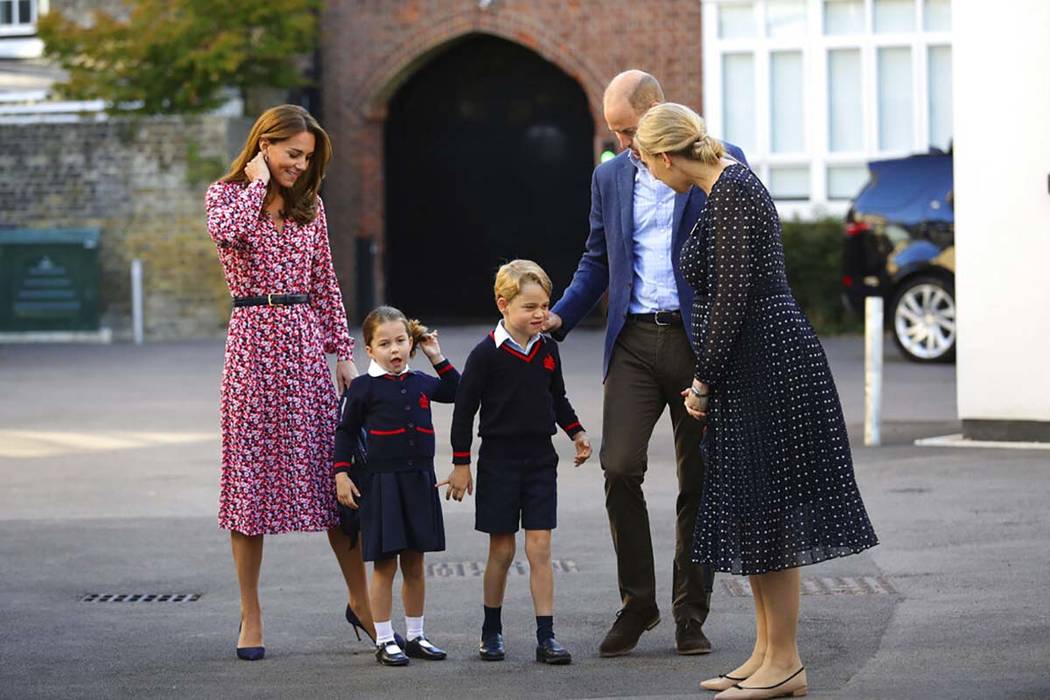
279	407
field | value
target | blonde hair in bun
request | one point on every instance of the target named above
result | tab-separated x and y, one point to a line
677	130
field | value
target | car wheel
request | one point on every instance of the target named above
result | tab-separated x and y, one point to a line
924	319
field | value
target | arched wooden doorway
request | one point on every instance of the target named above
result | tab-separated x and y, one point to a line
488	157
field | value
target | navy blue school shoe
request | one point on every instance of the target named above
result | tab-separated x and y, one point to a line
550	652
421	648
390	654
355	622
249	653
491	647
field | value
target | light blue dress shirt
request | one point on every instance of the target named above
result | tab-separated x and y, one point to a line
502	335
654	284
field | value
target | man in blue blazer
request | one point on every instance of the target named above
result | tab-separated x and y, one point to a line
638	225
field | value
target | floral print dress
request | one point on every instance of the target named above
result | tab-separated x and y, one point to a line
278	405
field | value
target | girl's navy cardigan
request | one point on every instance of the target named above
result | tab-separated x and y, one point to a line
386	423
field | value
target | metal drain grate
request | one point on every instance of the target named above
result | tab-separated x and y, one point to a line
824	585
140	597
472	569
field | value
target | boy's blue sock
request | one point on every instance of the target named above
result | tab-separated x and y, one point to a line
493	624
544	628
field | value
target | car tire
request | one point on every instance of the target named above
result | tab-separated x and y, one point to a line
922	318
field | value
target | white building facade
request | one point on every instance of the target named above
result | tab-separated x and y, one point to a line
813	90
1002	218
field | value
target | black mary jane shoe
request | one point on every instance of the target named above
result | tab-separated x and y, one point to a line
491	647
421	648
549	651
390	654
355	622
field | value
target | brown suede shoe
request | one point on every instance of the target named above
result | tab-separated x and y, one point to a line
690	639
626	630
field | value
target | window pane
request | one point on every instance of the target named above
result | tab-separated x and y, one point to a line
6	7
895	104
785	97
844	16
785	18
736	20
940	92
845	110
894	16
938	16
738	97
845	181
25	12
789	182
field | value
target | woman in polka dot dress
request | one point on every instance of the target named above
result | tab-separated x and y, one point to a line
279	407
779	491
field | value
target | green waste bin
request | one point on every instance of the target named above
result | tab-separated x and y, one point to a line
49	279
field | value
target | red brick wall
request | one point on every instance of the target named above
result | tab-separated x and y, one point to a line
371	47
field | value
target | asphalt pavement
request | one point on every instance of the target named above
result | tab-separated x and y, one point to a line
110	458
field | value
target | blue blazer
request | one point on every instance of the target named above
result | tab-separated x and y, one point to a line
608	261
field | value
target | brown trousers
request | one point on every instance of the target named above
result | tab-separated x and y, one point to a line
649	368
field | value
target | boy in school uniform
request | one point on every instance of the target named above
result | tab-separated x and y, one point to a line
514	375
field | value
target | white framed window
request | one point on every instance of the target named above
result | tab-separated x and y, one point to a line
813	90
18	17
738	98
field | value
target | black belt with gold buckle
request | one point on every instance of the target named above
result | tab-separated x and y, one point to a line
272	300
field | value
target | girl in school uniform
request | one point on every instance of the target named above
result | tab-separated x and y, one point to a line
388	478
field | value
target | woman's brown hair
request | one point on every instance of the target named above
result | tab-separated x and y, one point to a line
275	125
382	314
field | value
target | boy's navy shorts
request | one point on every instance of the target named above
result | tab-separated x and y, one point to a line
513	490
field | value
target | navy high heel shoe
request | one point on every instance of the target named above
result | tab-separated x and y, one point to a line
355	622
249	653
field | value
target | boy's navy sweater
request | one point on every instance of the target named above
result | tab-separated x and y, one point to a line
521	396
394	412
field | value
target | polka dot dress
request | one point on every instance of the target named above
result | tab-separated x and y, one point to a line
779	490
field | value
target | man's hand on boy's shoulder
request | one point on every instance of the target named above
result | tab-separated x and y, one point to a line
552	323
459	483
583	447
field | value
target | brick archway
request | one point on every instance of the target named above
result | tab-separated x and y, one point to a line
398	65
369	50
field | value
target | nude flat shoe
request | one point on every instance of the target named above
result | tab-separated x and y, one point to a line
723	682
793	686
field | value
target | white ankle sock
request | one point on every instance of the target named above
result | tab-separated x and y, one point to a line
384	632
415	627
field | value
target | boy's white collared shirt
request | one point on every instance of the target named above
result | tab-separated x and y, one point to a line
376	370
502	335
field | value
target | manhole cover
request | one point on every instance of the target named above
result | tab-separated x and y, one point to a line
823	585
140	597
471	569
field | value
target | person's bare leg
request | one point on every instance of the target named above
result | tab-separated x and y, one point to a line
541	574
780	591
353	568
247	559
414	583
501	556
758	654
381	592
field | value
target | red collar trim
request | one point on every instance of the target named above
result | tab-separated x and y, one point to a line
520	355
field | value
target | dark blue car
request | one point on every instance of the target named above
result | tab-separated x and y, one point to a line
900	245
